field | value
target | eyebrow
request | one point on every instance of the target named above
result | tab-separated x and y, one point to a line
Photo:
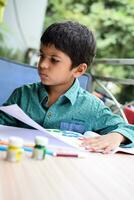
50	55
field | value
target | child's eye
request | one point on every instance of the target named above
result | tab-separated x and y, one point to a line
54	60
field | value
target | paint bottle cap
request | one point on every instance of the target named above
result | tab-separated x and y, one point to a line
40	140
16	141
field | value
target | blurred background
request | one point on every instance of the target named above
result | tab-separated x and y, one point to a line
112	21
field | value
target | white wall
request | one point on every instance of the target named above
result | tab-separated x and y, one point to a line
24	19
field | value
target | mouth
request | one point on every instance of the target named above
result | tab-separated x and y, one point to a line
42	75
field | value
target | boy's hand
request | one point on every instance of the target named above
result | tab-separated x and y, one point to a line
103	143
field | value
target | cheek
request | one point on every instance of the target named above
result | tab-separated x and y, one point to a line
59	76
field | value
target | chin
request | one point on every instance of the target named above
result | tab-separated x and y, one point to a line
44	82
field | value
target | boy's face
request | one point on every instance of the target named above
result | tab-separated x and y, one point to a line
54	67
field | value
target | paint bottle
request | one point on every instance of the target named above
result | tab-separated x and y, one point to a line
15	150
39	150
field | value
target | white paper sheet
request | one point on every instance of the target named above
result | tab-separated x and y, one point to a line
129	150
28	135
15	111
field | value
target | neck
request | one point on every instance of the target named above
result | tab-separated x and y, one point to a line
54	92
59	89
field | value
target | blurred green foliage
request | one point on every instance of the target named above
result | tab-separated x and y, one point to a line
5	50
112	21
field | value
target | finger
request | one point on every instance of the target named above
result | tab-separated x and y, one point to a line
94	145
86	141
100	143
108	149
90	149
97	146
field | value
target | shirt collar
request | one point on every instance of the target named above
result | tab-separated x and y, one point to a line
71	94
42	93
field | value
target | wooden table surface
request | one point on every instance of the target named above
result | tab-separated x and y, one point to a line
97	177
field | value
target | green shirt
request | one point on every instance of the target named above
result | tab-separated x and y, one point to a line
76	110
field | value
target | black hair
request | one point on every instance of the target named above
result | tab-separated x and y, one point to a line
72	38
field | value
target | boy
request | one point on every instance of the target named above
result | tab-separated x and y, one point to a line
59	102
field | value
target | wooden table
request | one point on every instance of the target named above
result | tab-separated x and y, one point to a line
98	177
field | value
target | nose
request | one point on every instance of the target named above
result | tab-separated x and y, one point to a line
43	64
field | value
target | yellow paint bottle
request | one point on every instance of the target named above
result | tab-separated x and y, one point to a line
15	150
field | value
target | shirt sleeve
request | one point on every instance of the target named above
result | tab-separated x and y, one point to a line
6	119
107	122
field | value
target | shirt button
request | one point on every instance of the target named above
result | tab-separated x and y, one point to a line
49	114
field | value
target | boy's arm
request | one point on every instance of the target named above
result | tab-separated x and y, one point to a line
6	119
107	122
113	131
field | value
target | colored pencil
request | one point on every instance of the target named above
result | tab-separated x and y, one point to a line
71	155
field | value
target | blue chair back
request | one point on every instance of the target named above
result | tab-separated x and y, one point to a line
13	75
86	81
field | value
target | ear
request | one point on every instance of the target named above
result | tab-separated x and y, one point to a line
80	69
